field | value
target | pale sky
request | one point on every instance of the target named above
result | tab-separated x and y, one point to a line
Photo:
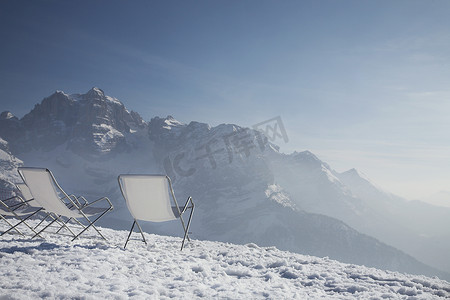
362	84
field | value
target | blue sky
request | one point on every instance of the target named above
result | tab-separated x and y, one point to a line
361	84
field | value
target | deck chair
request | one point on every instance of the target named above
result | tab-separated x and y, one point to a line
26	195
20	210
48	194
25	191
148	199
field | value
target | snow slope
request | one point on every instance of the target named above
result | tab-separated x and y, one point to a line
90	268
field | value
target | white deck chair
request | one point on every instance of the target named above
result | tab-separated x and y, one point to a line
19	209
49	195
26	195
148	199
25	191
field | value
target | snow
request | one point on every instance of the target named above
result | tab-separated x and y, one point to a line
8	163
8	115
171	122
104	135
331	177
276	193
113	100
62	93
90	268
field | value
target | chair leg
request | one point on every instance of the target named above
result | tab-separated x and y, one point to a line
142	234
91	224
23	221
132	227
50	216
45	218
187	228
32	229
48	225
11	225
64	225
131	231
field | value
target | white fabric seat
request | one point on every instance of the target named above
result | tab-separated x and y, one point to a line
25	191
148	198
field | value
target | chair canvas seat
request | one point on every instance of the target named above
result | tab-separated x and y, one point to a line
149	198
44	192
25	191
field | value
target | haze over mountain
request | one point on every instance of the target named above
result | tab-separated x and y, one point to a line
441	198
244	188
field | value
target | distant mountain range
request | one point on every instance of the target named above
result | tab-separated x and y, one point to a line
244	188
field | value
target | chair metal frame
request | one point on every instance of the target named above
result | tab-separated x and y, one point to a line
25	191
188	205
72	205
18	210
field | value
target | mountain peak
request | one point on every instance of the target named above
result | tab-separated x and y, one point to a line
59	92
305	155
171	122
352	171
6	115
96	92
355	174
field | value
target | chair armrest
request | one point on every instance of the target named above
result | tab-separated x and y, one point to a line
12	198
189	199
16	205
77	200
100	199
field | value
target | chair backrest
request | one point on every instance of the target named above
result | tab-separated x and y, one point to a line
44	190
23	188
147	197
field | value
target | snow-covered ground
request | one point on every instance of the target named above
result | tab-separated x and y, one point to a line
90	268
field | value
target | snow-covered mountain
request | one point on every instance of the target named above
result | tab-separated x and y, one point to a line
87	123
417	228
96	269
245	189
8	166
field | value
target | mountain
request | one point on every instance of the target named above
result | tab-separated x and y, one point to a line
87	123
421	229
8	166
417	228
245	189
